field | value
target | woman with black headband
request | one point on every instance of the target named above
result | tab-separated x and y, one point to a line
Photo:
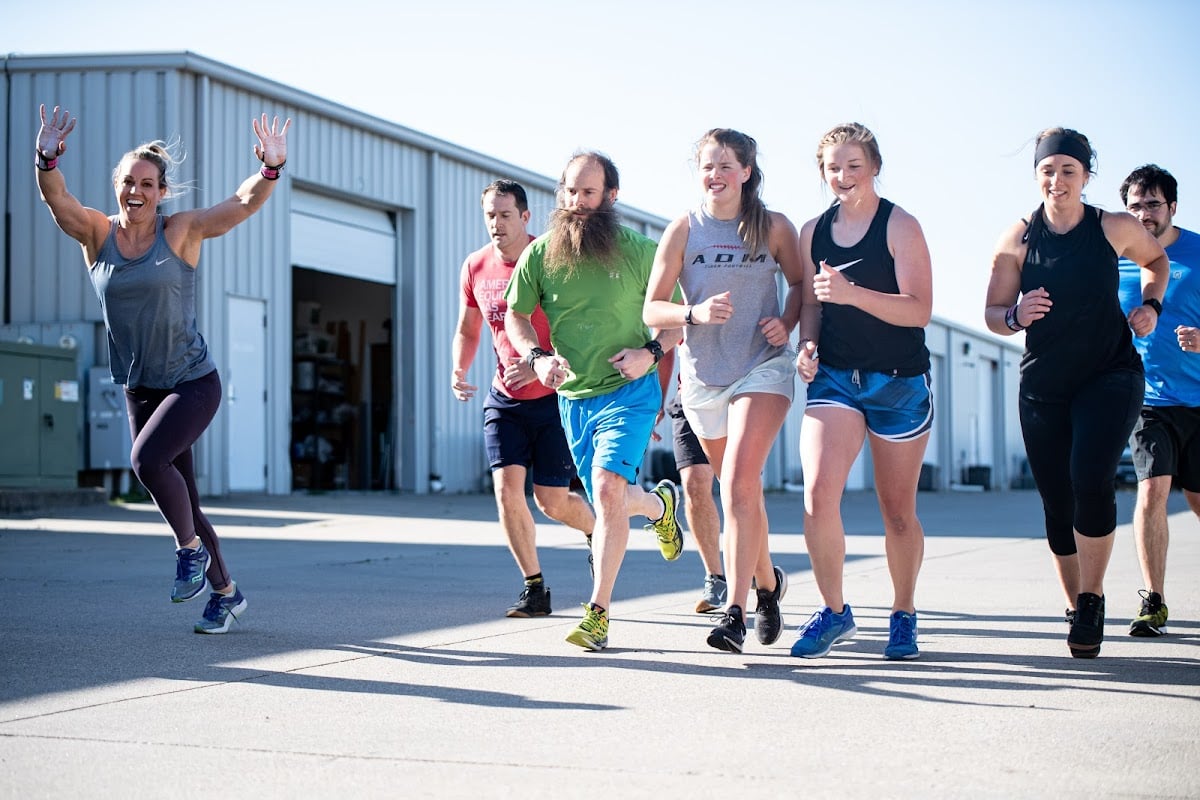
1055	277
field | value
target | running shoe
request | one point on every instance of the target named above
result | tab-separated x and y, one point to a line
823	630
1152	618
768	617
1088	631
730	633
902	637
533	602
592	632
713	595
190	566
666	528
221	612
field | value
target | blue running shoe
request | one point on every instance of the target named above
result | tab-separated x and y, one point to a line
823	630
902	638
221	612
189	573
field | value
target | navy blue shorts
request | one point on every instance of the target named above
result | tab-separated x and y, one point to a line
896	408
527	433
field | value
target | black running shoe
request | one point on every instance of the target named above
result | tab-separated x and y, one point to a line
1087	632
768	618
730	634
533	602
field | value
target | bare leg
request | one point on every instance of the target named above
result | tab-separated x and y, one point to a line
561	504
515	519
754	423
897	471
616	501
830	440
701	511
1068	577
1150	530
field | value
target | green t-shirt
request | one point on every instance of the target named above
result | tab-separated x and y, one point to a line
593	314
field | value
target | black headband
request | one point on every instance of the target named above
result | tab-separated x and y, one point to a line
1063	144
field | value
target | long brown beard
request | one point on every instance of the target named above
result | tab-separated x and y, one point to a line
575	238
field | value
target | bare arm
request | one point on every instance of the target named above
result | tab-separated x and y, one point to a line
85	225
463	350
785	247
1131	240
810	309
193	227
658	308
1004	287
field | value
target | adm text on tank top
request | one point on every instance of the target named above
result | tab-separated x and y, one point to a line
1085	333
850	337
715	261
149	306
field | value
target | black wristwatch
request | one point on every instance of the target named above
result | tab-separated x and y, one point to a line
535	354
655	349
1157	306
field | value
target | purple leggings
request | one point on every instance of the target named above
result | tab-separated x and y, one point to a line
165	424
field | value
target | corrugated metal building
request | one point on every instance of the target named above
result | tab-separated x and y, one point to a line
330	313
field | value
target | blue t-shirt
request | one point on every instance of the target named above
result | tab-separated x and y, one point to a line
1172	376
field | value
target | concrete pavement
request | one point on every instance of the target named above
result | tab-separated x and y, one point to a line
374	661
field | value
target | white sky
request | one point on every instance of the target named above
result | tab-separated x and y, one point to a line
955	91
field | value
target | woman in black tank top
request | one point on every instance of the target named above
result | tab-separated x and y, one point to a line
1055	274
869	383
142	265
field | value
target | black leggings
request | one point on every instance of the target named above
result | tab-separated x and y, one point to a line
1074	447
165	424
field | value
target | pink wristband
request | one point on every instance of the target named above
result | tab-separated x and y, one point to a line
43	163
270	173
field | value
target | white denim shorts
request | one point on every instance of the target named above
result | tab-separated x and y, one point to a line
707	407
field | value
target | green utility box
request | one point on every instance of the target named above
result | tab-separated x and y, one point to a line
39	416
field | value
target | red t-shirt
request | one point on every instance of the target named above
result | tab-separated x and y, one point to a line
485	276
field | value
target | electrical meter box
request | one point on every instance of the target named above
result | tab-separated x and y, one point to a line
109	439
40	408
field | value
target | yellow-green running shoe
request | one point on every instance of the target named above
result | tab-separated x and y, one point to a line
1152	616
592	631
670	537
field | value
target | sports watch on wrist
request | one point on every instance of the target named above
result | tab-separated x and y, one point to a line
655	349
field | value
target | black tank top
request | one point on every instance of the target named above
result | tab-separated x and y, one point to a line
850	337
1085	333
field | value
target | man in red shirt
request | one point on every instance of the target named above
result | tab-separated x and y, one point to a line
522	429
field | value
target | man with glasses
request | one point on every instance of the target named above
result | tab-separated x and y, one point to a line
1166	437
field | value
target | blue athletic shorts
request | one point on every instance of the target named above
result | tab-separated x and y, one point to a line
897	409
611	431
527	433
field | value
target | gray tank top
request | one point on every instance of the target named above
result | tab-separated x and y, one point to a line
716	261
149	306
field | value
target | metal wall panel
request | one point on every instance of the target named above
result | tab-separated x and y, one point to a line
431	187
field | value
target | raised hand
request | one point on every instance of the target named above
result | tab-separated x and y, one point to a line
272	140
52	136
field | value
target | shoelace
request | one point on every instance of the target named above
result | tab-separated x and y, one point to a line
902	628
731	621
592	621
184	563
815	623
212	611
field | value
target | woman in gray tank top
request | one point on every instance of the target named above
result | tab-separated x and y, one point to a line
736	368
143	267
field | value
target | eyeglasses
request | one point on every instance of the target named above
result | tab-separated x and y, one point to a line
1149	205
